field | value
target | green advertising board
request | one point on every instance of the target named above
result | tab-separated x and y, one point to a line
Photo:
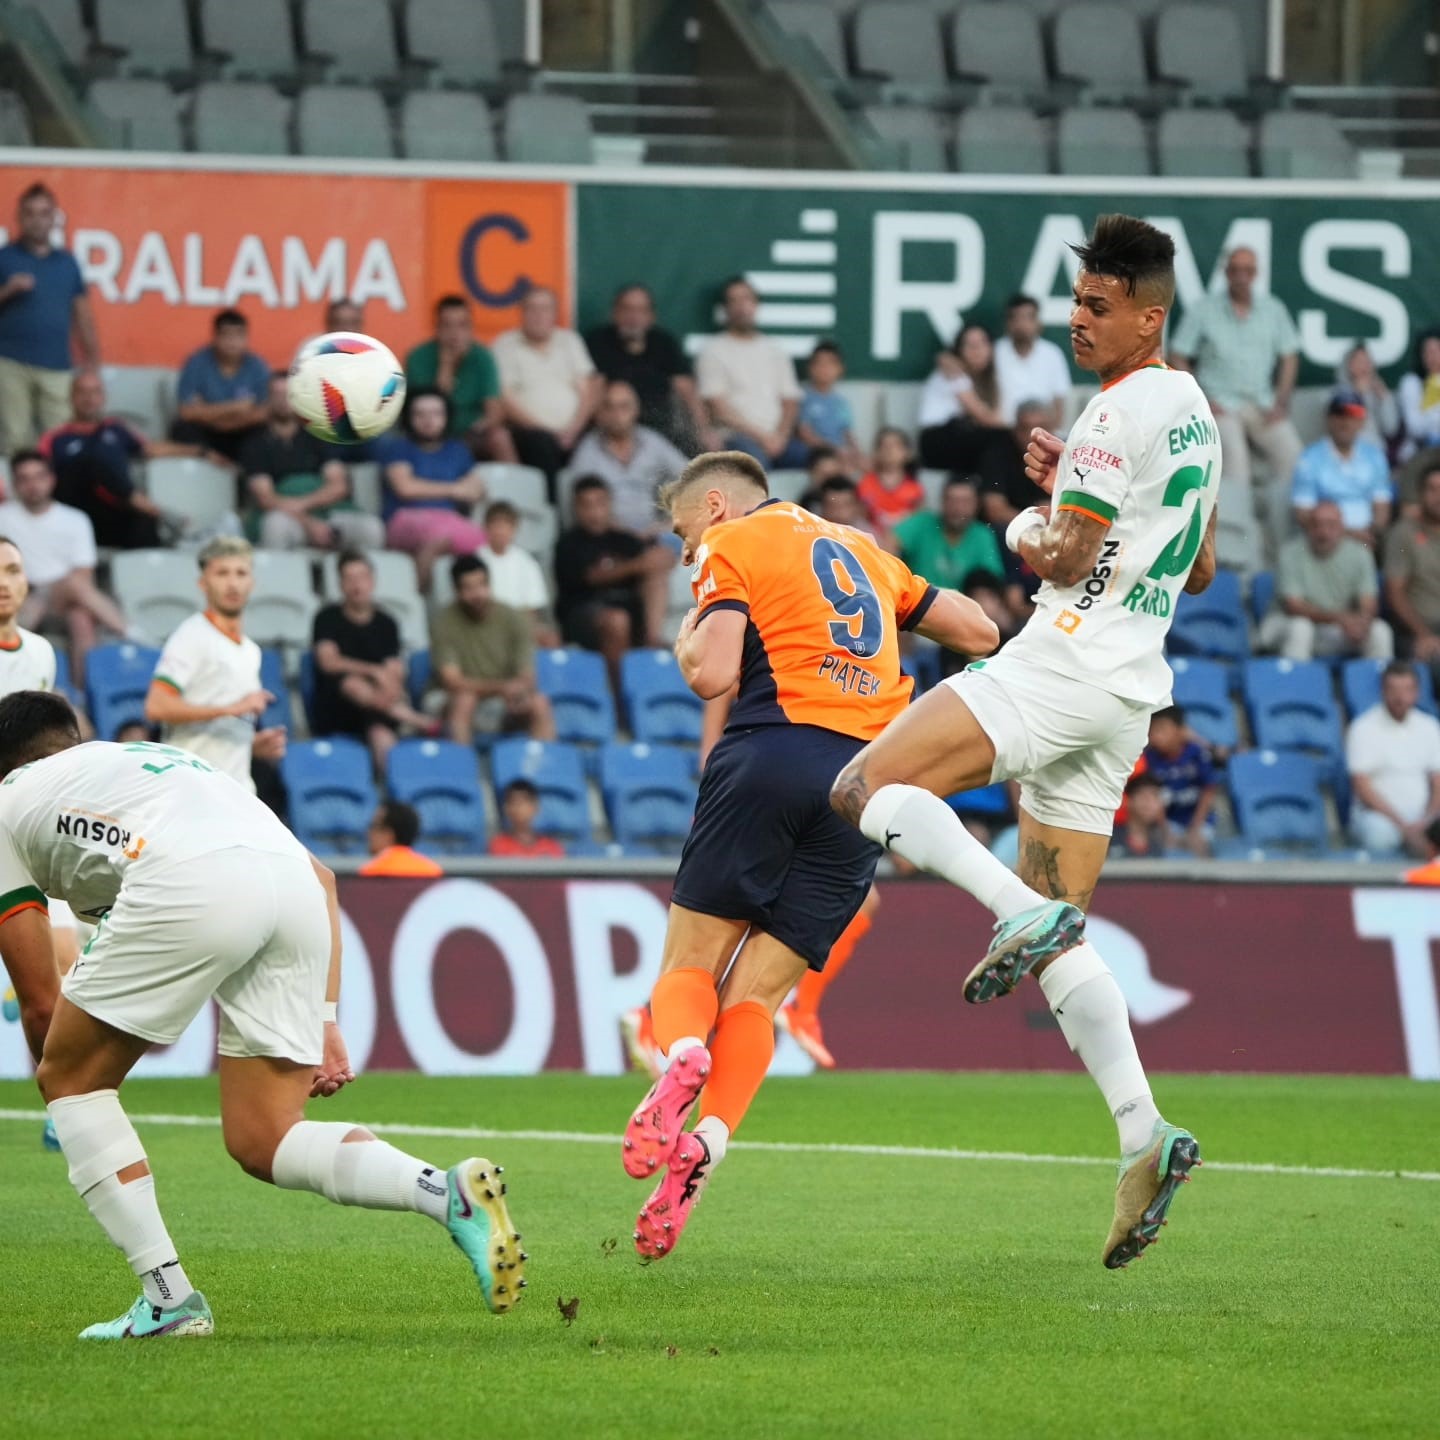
889	272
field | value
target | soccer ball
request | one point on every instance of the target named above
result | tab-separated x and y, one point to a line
346	388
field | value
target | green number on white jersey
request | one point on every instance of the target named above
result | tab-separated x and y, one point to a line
171	754
1179	555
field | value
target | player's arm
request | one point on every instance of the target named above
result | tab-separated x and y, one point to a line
29	955
709	649
1202	572
958	623
164	705
1062	550
712	721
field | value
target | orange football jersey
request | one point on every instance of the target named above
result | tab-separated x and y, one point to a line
825	606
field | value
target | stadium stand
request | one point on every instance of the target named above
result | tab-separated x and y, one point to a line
1277	801
557	772
116	680
331	795
439	779
649	792
659	704
575	683
253	41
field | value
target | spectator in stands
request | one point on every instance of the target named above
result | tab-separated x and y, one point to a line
519	810
300	485
1328	593
345	314
482	658
1346	469
633	348
1412	572
610	583
962	410
394	829
359	673
824	464
1145	833
1358	372
1005	488
58	543
1429	872
838	501
516	578
1244	351
748	382
633	460
1420	395
91	454
947	546
431	480
43	303
1393	754
548	385
825	417
222	389
1181	766
1030	369
457	365
889	490
988	591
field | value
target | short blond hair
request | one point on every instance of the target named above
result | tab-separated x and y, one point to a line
226	547
713	466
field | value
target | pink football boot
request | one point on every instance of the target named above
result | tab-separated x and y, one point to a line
663	1218
656	1126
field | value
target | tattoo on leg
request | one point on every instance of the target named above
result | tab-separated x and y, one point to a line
1040	869
850	794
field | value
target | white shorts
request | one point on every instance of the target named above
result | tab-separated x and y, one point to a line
1071	745
247	927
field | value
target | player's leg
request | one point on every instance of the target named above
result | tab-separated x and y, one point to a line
801	1016
65	943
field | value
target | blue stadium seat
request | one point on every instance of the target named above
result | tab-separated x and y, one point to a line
417	676
660	704
557	772
1292	706
1202	690
63	683
1262	594
1212	623
649	791
1360	685
1277	800
579	692
332	796
608	850
272	678
116	679
440	779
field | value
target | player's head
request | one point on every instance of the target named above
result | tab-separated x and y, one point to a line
393	823
14	586
720	485
1123	292
470	576
227	575
1399	688
87	395
34	724
520	805
357	577
1167	730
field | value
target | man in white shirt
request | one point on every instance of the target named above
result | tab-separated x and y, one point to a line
749	383
58	543
516	578
548	384
1393	754
206	690
1030	369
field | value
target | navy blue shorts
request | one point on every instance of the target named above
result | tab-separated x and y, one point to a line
767	848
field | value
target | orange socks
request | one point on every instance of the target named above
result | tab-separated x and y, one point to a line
814	983
683	1003
740	1054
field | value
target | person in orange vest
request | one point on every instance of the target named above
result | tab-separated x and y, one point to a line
1429	872
394	829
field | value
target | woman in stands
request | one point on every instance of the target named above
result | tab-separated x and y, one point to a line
961	408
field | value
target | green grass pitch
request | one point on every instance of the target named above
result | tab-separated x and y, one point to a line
816	1294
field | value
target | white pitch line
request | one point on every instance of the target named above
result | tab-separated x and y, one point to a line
792	1147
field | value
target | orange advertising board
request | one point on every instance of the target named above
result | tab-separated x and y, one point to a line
164	249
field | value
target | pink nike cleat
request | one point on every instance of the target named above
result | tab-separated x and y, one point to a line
664	1215
657	1125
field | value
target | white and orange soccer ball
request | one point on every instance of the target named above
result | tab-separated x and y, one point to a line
346	388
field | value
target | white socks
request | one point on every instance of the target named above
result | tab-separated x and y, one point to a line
920	826
99	1140
1087	1002
684	1043
716	1135
315	1156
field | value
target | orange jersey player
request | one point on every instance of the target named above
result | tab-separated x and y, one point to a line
801	618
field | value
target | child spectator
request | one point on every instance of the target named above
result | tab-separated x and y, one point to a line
516	578
1146	833
1182	768
825	417
889	490
519	808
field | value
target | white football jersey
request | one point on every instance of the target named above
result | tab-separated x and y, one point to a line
205	666
29	666
1144	458
73	823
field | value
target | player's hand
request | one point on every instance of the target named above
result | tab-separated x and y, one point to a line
334	1072
687	627
1042	458
255	704
269	744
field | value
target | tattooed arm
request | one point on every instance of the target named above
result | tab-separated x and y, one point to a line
1064	550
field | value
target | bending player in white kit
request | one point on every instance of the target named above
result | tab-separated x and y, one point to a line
203	893
1065	706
